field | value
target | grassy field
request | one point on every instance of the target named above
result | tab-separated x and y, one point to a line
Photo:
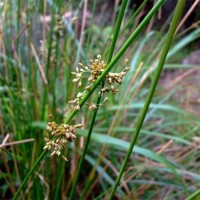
96	101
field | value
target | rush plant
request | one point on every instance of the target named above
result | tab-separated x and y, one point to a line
99	80
82	114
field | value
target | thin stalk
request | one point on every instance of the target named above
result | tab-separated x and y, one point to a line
29	174
133	17
80	165
174	24
194	195
116	31
55	76
112	47
80	46
46	87
30	87
59	178
130	40
16	48
89	30
18	23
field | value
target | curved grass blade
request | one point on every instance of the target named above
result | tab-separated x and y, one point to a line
123	145
194	196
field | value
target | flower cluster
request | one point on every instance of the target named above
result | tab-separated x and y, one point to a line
59	31
61	135
91	73
44	48
59	27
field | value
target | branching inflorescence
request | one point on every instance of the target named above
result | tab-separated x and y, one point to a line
64	133
60	135
91	73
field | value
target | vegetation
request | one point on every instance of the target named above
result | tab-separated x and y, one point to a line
83	115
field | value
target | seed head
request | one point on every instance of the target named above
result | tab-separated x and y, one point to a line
92	72
64	133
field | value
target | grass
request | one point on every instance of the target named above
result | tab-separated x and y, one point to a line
35	88
152	88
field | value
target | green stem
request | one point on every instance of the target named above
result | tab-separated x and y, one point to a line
46	87
53	86
194	195
117	29
90	27
113	43
18	23
175	20
84	151
100	79
59	179
55	77
29	174
133	16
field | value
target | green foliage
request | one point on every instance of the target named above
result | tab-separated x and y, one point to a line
36	84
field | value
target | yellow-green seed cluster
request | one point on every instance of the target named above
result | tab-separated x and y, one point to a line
91	73
63	134
60	135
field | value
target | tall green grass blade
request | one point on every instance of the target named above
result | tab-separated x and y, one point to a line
18	22
137	54
185	41
133	17
80	165
175	20
119	144
116	30
126	130
46	87
54	106
101	170
137	105
194	196
28	175
90	28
